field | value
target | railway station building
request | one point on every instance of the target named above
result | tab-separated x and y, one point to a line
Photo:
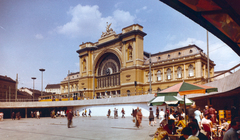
117	65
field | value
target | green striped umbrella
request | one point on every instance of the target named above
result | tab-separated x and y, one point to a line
171	99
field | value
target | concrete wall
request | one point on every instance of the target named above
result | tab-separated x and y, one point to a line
102	110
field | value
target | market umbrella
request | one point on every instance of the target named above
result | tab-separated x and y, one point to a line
170	99
184	88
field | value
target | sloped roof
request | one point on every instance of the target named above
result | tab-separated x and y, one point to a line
5	78
50	86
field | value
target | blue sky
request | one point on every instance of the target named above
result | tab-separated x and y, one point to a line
46	34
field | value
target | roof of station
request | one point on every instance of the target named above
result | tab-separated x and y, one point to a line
220	17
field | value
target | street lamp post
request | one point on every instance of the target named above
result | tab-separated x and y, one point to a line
42	70
150	74
34	78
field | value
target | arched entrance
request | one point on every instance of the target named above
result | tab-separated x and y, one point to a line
108	74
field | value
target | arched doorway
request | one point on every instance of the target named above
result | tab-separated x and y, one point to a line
108	71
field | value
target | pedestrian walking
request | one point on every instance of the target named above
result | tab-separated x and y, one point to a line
115	113
135	116
139	118
69	117
198	116
89	113
38	115
157	113
151	117
32	114
85	112
191	111
18	116
109	113
123	113
13	116
161	116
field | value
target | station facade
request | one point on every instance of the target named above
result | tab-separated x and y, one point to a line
116	65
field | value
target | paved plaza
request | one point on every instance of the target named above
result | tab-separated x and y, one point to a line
84	128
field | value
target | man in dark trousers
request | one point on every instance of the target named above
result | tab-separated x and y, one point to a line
69	117
157	113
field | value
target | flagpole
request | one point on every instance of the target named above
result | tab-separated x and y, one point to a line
208	58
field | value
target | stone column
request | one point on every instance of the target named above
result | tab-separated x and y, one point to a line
173	73
184	71
198	68
25	112
163	78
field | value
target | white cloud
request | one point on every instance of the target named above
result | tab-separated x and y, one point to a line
122	18
39	36
117	5
88	21
171	37
188	41
141	9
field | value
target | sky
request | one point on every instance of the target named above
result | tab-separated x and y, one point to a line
46	34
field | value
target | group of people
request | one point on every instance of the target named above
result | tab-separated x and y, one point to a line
84	113
76	113
195	124
70	114
137	117
16	116
116	113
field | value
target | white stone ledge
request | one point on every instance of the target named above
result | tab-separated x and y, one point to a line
108	101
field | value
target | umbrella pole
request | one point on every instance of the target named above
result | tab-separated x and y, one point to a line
185	109
166	113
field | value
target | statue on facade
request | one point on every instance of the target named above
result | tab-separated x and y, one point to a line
109	31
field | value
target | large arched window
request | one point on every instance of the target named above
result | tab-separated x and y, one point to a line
179	72
159	75
190	71
108	71
168	74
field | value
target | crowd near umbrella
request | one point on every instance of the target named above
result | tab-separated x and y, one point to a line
182	88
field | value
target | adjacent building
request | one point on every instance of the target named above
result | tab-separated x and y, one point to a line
53	88
7	89
116	65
